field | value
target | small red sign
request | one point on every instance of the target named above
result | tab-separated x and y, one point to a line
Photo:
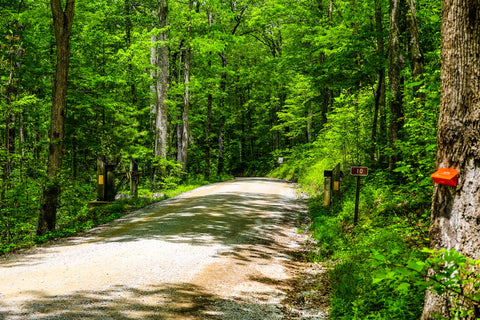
359	171
446	176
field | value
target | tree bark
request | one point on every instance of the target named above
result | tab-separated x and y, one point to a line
380	90
416	56
223	89
183	146
396	63
128	42
159	60
208	125
415	52
455	218
62	21
208	130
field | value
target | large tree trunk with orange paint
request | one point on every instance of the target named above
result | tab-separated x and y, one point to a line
456	210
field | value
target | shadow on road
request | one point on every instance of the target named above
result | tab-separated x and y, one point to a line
184	301
245	225
226	219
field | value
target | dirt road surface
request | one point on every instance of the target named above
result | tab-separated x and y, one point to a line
222	251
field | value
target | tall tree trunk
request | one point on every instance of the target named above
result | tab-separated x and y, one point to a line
177	71
62	21
208	130
183	138
456	210
380	90
276	123
309	127
153	80
241	138
208	125
396	64
159	59
128	42
416	55
177	74
223	89
378	126
326	93
415	51
183	147
221	141
74	150
251	140
21	143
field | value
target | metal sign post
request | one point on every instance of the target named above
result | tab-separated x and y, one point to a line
358	172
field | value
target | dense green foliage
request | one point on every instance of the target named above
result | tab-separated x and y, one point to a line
302	80
378	269
390	226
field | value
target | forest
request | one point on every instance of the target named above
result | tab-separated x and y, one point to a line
200	91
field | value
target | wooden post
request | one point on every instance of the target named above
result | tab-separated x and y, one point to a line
134	178
327	188
358	172
100	179
336	179
110	182
357	200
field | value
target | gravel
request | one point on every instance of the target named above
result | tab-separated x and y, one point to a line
222	251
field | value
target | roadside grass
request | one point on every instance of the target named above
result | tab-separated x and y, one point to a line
381	268
393	225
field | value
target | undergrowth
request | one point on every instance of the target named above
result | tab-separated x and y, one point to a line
394	224
381	268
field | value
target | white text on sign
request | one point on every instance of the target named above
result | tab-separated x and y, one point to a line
359	171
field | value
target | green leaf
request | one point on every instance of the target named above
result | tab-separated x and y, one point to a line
379	277
404	287
418	266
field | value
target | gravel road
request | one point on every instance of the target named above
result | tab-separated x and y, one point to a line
222	251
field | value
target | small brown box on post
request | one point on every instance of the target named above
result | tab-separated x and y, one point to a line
359	171
446	176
